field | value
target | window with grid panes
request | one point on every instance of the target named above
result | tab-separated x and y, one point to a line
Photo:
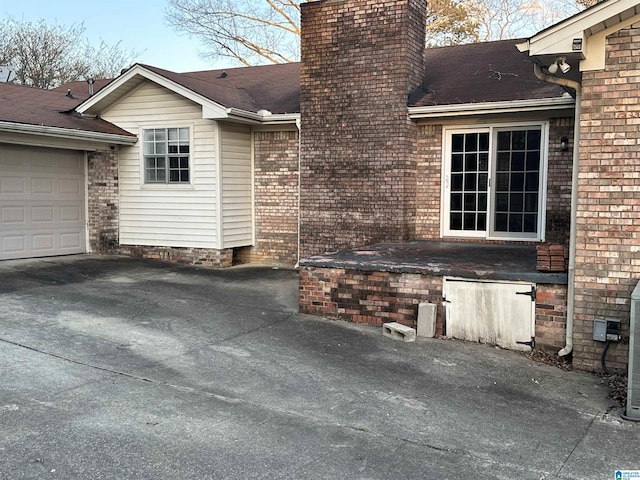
166	155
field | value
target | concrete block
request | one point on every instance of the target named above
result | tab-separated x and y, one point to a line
397	331
427	320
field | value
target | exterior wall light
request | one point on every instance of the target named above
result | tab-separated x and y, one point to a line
564	144
561	63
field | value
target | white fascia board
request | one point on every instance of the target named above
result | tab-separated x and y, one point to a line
209	107
214	112
66	133
558	39
485	108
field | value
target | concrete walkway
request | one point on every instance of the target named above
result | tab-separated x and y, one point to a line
114	368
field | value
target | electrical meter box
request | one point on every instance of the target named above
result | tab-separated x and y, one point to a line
606	329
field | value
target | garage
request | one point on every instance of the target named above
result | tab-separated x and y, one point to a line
42	202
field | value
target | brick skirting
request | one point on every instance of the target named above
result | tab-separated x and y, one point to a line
206	257
378	297
368	297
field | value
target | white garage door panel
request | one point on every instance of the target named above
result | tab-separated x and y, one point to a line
41	202
12	215
42	243
42	215
12	184
14	244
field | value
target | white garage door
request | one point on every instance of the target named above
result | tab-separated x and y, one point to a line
41	202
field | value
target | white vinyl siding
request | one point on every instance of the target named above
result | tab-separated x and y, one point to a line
180	215
237	199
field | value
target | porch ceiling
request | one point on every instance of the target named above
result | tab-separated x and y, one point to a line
456	259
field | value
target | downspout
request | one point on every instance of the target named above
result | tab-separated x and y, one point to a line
298	122
571	272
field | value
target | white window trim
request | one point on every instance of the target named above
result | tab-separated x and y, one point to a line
488	234
164	186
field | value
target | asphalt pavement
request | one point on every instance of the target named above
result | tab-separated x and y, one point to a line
119	368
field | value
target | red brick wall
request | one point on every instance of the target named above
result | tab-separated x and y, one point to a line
559	182
429	184
275	200
551	317
608	230
368	297
360	59
103	201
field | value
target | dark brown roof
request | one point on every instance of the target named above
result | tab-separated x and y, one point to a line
268	87
49	108
80	89
480	72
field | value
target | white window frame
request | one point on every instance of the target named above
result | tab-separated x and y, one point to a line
489	233
143	173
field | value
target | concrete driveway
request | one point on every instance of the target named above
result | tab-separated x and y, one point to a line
119	368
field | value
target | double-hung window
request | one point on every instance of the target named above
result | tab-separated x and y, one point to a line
166	155
493	182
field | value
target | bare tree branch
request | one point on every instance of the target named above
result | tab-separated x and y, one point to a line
449	23
45	56
249	32
257	31
503	19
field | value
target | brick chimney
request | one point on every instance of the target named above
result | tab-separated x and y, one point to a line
360	61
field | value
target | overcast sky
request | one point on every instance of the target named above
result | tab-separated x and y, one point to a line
137	24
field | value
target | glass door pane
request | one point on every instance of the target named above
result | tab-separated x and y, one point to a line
517	181
469	181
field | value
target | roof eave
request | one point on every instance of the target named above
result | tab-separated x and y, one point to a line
573	37
487	108
65	133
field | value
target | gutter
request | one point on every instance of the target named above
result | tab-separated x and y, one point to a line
298	125
568	348
66	133
512	106
264	117
280	118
